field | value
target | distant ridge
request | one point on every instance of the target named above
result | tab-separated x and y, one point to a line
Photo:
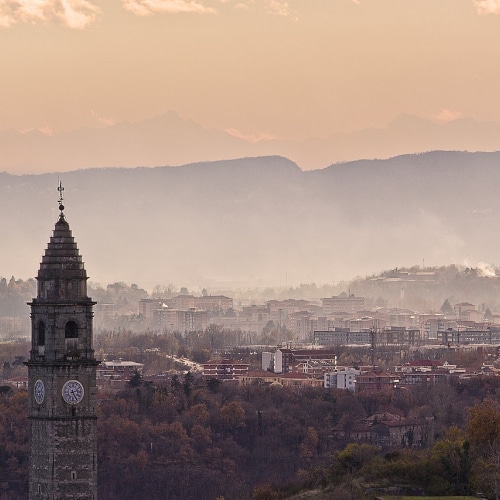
171	140
261	221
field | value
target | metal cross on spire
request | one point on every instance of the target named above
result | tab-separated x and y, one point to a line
61	198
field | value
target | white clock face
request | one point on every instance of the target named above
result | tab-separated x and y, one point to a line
72	392
39	391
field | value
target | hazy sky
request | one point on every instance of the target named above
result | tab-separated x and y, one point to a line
260	68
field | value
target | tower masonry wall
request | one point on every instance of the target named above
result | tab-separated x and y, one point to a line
62	377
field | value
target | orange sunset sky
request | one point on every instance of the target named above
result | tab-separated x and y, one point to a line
259	69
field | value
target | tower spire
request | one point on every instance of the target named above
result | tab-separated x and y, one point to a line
61	197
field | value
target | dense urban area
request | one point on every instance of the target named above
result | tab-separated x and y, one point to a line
387	385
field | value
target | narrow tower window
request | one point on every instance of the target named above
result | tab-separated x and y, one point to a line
71	335
41	338
41	333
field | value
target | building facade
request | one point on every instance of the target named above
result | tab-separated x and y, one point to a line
175	320
341	379
342	303
62	376
225	369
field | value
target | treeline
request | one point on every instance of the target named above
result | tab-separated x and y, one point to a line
14	294
201	439
150	348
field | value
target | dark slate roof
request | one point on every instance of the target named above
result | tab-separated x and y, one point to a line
62	258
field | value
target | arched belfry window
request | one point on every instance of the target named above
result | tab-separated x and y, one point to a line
41	333
71	330
71	335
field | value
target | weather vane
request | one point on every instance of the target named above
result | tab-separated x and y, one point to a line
61	198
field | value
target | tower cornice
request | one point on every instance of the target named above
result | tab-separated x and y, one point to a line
65	363
62	302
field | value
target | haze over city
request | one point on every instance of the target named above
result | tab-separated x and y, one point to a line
168	83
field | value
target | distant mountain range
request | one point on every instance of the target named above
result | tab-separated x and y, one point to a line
171	140
259	221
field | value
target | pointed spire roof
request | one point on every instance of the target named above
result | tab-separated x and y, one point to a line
62	258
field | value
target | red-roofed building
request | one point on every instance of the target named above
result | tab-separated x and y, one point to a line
374	382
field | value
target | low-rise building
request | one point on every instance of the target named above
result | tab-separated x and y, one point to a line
341	379
421	365
487	335
337	336
17	382
315	368
116	373
286	358
423	378
214	303
299	380
390	431
225	369
295	380
147	306
259	377
404	433
393	335
462	309
373	382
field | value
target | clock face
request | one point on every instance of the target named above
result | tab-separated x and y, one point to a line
72	392
39	391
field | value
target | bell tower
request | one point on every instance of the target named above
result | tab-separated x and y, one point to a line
62	375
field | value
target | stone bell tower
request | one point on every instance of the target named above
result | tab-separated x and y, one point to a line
62	375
